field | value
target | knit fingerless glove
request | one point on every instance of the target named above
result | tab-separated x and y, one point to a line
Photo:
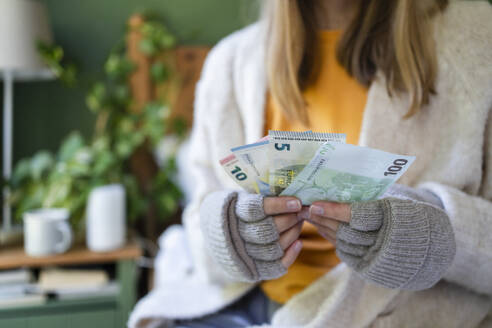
403	241
240	237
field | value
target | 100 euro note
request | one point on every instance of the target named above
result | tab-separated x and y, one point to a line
255	158
290	152
346	173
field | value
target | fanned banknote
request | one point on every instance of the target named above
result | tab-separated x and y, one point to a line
346	173
255	158
239	173
290	152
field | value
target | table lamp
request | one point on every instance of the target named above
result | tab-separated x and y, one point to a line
23	23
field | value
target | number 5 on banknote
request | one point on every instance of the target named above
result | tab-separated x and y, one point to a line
281	147
290	152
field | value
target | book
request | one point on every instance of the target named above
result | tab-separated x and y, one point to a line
17	289
19	276
110	289
53	279
10	301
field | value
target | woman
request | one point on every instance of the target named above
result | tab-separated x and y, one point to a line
405	76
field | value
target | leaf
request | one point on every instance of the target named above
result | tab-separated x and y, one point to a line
126	126
159	72
80	165
53	56
22	171
118	66
167	204
121	94
179	126
69	75
136	204
57	53
167	41
78	202
31	199
124	148
57	193
104	163
83	155
101	144
96	98
73	143
40	164
148	47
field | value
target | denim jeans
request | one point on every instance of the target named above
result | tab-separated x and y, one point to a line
252	309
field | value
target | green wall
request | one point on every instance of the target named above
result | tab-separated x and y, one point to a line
44	112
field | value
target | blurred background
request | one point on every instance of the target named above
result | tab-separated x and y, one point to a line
100	95
88	30
97	107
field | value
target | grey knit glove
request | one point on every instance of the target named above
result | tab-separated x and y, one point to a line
240	237
404	240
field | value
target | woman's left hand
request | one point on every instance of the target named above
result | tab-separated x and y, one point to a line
404	240
326	217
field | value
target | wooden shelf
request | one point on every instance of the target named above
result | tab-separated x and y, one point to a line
15	257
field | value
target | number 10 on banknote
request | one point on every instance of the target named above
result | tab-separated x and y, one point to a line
239	173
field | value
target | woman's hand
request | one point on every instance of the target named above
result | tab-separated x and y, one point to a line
326	217
250	236
402	241
283	211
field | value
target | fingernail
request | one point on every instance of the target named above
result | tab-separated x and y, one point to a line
294	204
298	246
317	210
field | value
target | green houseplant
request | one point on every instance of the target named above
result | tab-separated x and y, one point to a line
65	178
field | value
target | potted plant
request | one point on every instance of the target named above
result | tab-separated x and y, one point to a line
126	132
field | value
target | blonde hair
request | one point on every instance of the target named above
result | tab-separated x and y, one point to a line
394	37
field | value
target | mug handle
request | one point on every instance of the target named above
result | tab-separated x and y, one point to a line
64	244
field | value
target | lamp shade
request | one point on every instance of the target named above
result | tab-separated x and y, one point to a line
23	23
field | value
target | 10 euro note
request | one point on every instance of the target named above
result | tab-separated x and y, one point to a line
290	152
239	173
346	173
255	158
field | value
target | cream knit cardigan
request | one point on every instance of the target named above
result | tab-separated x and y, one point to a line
451	138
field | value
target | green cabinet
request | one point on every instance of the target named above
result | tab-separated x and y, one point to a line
98	319
100	312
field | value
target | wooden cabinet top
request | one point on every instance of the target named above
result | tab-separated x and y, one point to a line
15	257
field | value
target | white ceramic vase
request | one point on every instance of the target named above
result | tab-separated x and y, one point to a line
106	218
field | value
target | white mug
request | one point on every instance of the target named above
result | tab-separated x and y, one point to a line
47	232
105	218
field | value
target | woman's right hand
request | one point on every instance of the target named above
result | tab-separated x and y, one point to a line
252	237
283	211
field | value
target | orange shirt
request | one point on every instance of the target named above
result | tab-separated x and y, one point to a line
335	103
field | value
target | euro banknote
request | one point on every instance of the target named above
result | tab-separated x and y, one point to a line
346	173
289	152
239	173
255	158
